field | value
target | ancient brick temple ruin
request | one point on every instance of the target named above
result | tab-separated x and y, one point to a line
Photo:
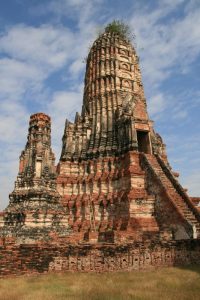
113	201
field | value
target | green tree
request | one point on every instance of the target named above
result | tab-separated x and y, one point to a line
119	27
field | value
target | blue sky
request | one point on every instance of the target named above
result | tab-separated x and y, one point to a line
42	49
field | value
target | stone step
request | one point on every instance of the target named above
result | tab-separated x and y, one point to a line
172	191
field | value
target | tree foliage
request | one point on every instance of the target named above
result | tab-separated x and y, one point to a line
119	27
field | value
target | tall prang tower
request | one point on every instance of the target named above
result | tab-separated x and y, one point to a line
113	175
114	118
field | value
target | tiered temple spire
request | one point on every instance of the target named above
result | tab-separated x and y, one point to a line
114	106
37	172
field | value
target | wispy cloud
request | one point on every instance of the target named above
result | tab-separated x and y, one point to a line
79	10
191	181
167	44
64	104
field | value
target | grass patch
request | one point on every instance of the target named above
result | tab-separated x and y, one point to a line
163	284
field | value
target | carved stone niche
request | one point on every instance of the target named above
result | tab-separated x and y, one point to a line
126	75
125	66
126	84
128	103
123	52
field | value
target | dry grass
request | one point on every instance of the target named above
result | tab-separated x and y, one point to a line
163	284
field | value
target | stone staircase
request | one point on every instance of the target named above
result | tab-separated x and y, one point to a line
175	191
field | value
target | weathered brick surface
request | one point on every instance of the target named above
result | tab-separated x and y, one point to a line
60	257
113	183
196	202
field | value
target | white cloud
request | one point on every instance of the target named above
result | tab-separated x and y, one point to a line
166	45
46	45
80	10
64	104
192	182
156	104
18	76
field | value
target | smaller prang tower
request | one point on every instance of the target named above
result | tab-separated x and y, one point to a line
34	207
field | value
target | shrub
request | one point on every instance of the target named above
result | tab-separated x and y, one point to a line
119	27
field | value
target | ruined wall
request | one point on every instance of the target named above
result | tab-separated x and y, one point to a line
59	257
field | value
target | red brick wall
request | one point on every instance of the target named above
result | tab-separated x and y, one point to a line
42	258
